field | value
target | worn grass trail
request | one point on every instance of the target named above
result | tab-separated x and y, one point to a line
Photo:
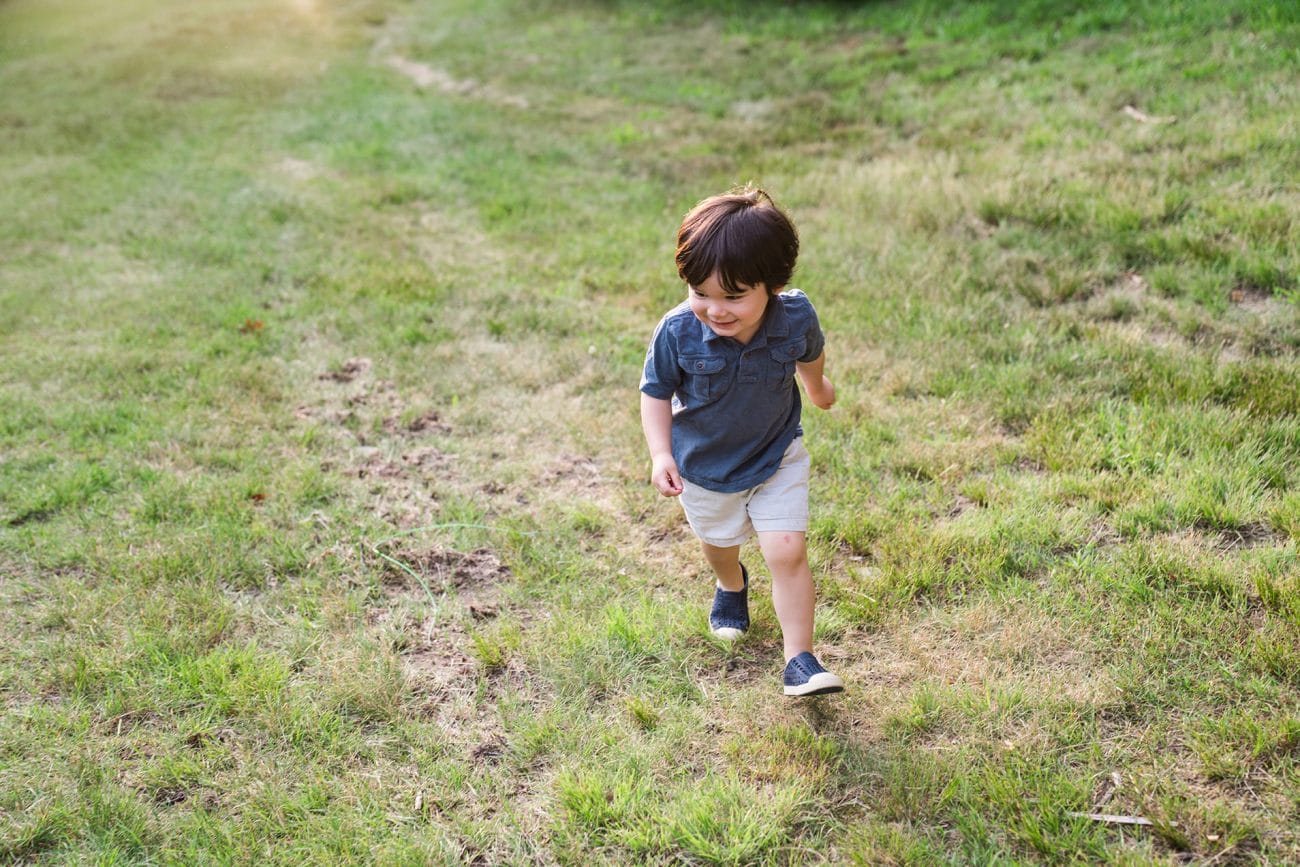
324	535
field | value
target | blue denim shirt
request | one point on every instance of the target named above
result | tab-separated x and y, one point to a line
735	406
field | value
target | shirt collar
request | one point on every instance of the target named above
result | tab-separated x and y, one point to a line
776	323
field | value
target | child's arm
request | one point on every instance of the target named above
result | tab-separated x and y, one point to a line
657	423
820	390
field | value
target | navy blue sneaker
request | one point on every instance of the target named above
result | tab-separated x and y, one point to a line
804	675
730	615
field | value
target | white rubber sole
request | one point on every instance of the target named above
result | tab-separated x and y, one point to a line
728	633
819	684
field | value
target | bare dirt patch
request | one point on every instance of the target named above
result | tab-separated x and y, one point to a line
1253	535
755	660
475	578
429	422
577	471
1231	353
477	570
123	723
1256	535
960	506
438	661
371	462
490	750
348	371
453	687
378	439
1252	299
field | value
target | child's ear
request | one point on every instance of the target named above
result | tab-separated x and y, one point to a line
774	290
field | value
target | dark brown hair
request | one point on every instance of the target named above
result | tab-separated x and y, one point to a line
743	236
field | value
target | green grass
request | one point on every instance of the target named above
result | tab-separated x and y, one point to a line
324	534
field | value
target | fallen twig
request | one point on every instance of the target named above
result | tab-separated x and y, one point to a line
1142	117
1113	820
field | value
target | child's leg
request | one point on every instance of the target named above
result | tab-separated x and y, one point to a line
793	596
725	563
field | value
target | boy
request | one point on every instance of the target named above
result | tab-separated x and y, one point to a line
721	413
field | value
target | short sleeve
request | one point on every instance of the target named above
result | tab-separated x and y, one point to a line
661	376
812	330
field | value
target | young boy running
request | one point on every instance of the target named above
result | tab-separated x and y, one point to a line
720	413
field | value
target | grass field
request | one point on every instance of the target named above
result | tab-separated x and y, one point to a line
325	535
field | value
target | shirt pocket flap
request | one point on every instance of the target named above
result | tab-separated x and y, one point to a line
702	364
788	352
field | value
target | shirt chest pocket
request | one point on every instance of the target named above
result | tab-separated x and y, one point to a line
781	366
701	378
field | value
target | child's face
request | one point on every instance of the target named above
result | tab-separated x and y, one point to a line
736	315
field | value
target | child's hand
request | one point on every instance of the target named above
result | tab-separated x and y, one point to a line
823	396
664	476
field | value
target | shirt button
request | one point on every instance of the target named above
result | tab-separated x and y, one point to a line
699	365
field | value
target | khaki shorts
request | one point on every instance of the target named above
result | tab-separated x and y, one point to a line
780	503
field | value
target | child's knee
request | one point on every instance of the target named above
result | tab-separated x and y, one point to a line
784	551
